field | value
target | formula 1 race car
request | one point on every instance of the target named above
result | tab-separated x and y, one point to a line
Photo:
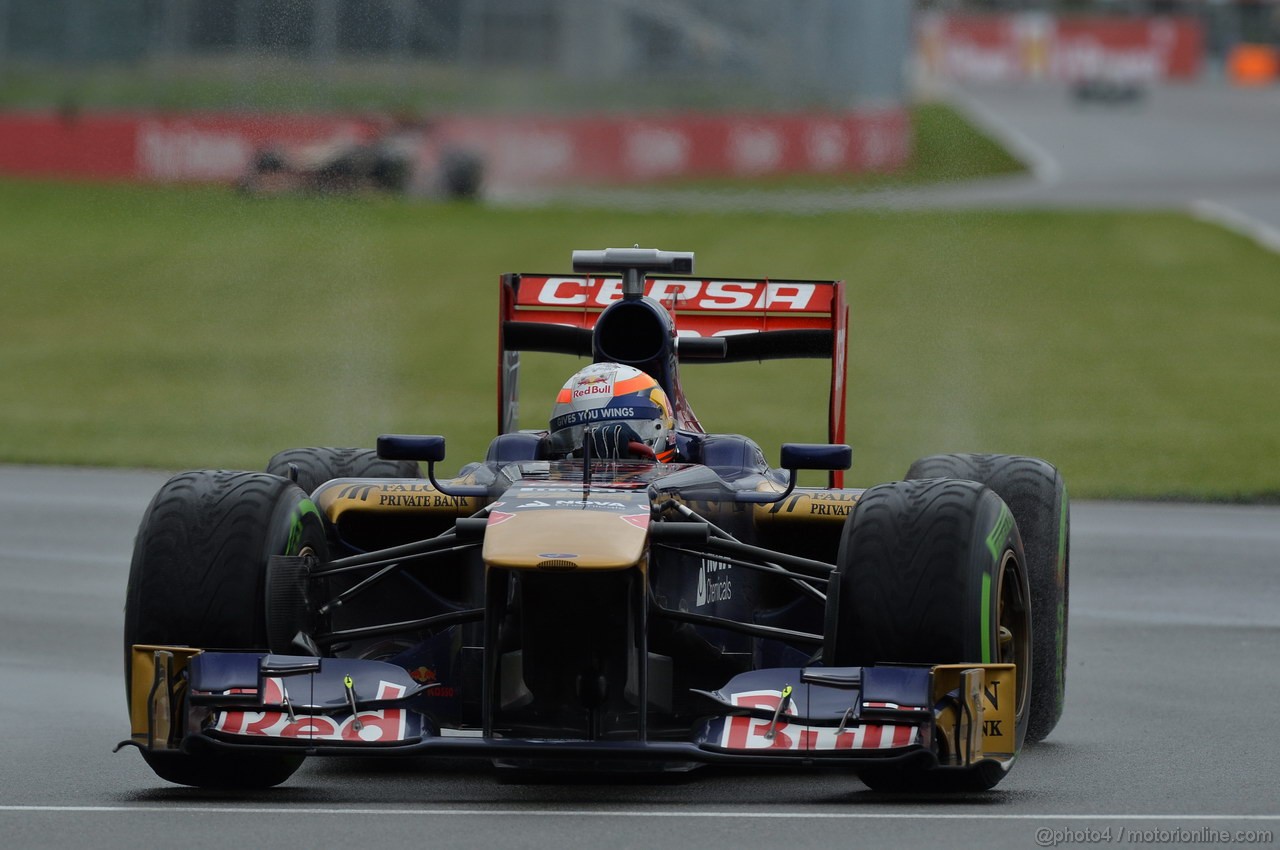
603	606
402	156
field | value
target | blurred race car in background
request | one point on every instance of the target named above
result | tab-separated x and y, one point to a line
398	157
598	610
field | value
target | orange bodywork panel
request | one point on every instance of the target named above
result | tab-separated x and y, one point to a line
565	539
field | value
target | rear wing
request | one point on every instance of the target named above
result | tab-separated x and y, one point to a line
758	319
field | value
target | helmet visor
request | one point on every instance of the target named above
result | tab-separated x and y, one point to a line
568	439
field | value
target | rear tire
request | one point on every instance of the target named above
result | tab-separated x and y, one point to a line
316	465
1035	492
199	577
929	572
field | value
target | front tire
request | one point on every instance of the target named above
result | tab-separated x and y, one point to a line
1035	492
199	577
931	572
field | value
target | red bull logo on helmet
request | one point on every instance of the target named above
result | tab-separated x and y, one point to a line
592	385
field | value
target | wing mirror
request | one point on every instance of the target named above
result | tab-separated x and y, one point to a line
411	447
798	456
823	456
427	448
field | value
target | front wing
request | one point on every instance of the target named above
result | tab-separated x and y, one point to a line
189	700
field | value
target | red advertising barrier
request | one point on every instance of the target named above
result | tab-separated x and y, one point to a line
154	147
629	150
516	151
1039	46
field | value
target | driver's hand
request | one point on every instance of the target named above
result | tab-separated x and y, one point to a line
615	441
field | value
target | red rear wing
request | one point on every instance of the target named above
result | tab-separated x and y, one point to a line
760	319
700	307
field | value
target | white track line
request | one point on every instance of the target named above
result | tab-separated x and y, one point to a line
1043	166
1234	220
644	813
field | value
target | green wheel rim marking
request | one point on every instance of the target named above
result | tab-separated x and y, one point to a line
986	618
995	544
995	540
306	506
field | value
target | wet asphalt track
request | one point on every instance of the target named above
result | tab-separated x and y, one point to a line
1174	644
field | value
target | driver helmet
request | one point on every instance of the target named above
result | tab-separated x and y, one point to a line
605	394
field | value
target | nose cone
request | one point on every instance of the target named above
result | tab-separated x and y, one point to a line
566	538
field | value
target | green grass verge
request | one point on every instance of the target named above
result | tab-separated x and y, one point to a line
177	328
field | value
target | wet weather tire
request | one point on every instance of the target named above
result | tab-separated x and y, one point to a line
316	465
921	578
1035	492
200	577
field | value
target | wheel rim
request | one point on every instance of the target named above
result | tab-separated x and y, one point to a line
1014	630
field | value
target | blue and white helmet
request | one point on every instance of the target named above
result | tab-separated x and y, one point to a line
612	394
